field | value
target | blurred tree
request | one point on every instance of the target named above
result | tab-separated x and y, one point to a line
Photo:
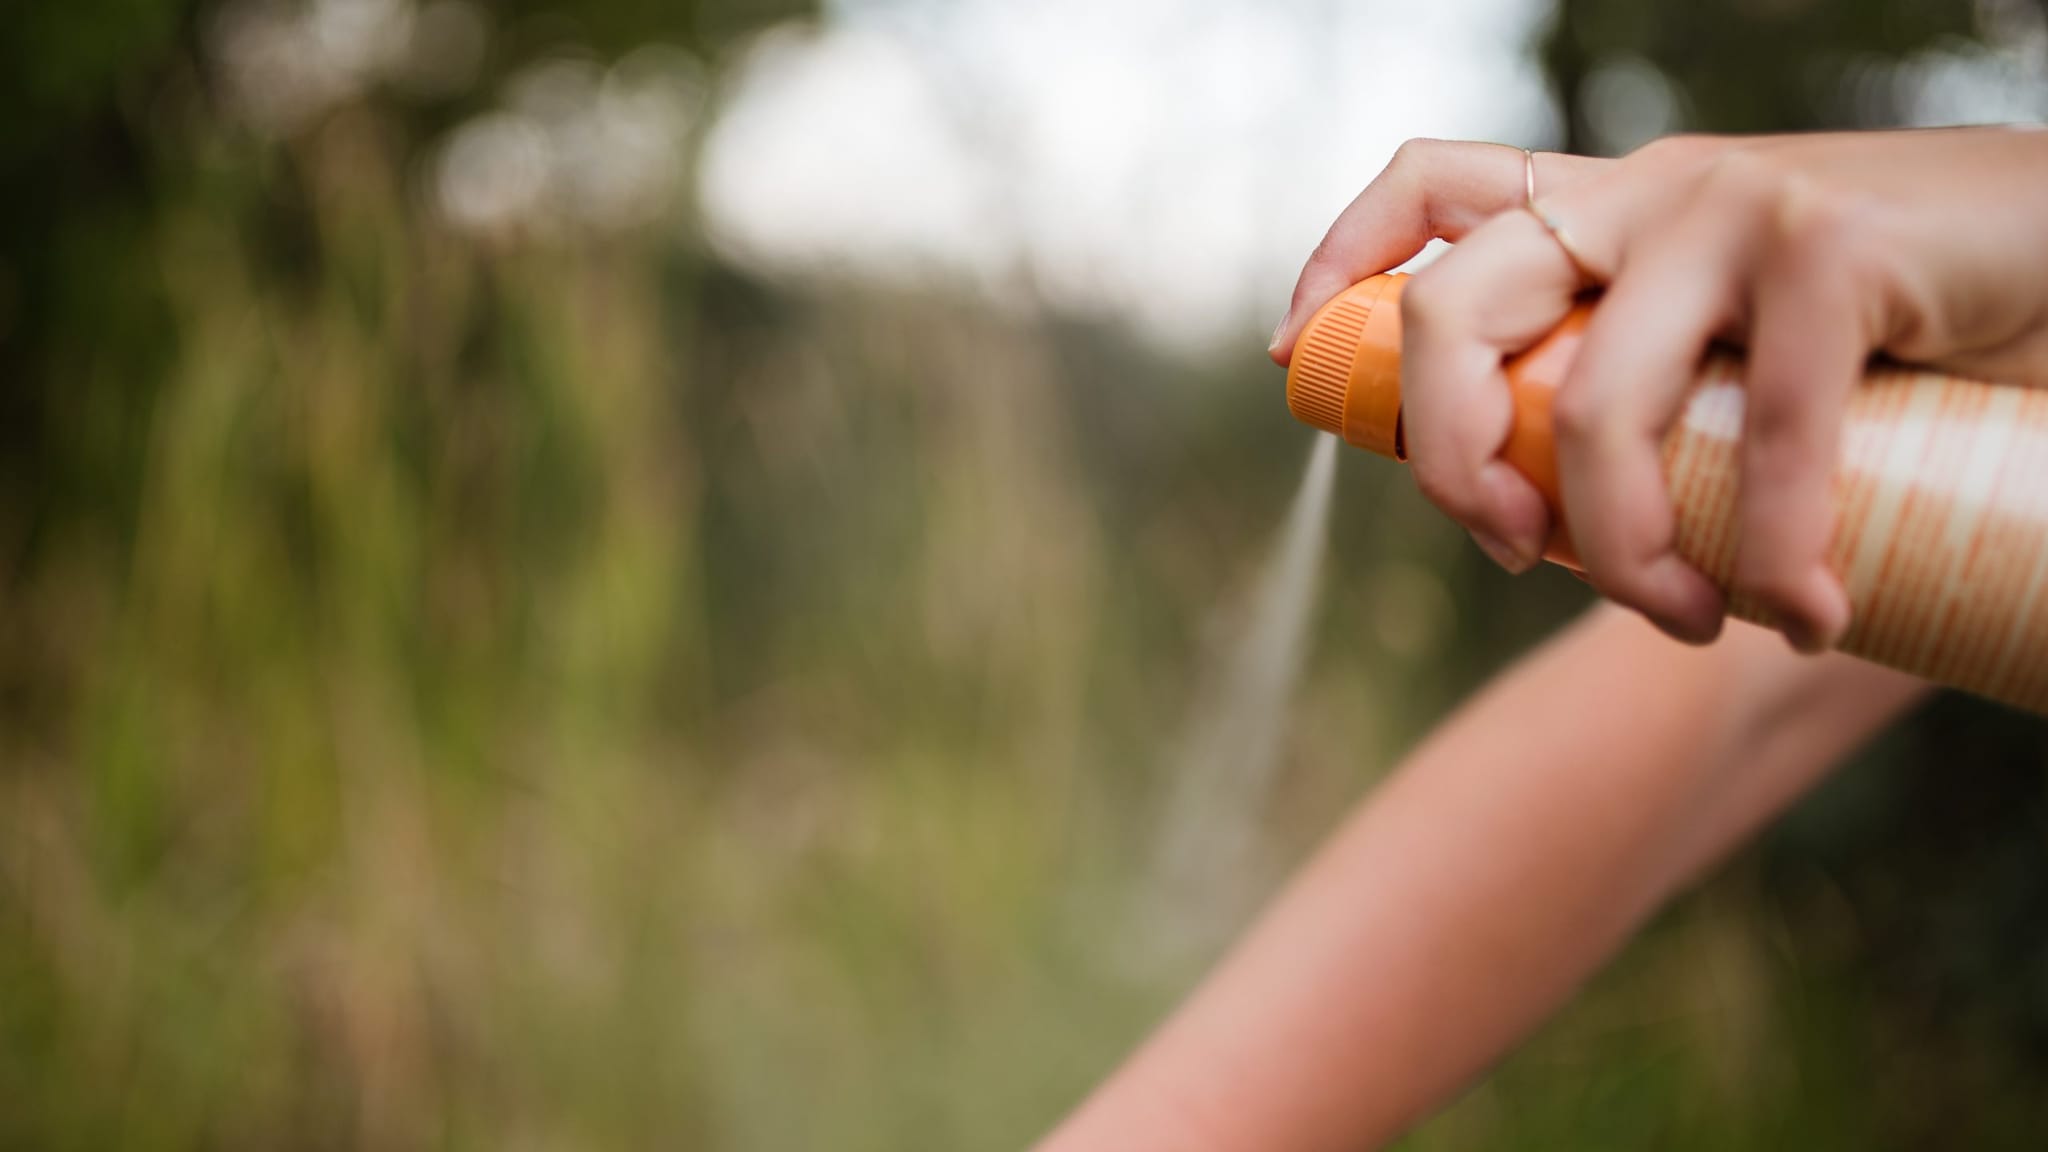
110	115
87	88
1745	65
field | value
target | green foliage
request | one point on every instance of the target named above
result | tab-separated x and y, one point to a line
66	59
1751	65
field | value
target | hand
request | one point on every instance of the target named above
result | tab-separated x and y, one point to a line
1811	251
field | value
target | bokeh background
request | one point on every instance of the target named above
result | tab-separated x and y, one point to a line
618	574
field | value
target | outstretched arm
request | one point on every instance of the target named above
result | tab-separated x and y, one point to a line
1511	854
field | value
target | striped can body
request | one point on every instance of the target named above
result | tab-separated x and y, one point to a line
1941	522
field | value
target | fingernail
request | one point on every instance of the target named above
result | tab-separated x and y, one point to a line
1279	329
1500	553
1507	501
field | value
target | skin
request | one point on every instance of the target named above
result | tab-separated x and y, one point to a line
1812	252
1498	867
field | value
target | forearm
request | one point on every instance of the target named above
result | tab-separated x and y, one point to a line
1507	858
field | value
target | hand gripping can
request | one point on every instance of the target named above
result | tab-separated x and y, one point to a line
1940	495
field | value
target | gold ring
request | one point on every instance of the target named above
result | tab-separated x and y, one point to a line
1555	227
1551	223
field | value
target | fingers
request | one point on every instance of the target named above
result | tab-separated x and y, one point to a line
1747	251
1807	349
1639	359
1500	290
1507	284
1695	238
1432	189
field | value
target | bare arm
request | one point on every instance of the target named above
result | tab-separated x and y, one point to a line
1506	859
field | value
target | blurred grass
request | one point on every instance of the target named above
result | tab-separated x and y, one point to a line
569	692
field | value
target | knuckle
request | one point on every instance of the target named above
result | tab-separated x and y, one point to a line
1747	178
1575	416
1682	150
1809	219
1425	305
1414	154
1821	230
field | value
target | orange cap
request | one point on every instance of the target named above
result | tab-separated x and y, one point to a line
1346	373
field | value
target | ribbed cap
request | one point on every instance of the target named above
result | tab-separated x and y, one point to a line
1346	373
1320	376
